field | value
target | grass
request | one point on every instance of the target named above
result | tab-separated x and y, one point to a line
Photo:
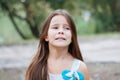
100	35
8	34
7	31
85	27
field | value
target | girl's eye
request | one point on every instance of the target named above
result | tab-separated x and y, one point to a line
54	27
67	28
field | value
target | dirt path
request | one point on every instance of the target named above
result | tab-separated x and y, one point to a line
102	55
101	49
94	49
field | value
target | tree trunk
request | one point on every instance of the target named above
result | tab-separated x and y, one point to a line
115	8
30	19
5	7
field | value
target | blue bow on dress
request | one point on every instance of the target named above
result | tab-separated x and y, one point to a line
72	75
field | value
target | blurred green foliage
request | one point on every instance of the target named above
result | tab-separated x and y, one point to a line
8	33
90	16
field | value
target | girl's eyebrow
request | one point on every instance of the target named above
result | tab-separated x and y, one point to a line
54	24
58	24
66	24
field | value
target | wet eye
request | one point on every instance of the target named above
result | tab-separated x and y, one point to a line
55	27
67	28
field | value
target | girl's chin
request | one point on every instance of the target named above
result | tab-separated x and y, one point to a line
61	45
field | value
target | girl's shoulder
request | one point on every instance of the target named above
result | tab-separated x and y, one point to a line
83	69
80	64
78	71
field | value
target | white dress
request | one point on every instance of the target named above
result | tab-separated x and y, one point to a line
75	66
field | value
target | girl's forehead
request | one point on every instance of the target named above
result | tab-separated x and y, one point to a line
59	19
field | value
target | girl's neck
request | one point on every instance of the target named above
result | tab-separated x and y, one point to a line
58	53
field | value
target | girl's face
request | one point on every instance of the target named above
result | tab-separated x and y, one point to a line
59	32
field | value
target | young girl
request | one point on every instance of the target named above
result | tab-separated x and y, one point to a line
58	56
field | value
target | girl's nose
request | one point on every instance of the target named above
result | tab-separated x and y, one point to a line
60	31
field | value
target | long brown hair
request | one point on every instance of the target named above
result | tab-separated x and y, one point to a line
38	68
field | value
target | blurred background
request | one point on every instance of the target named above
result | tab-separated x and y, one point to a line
98	27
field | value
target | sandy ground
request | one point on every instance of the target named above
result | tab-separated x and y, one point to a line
102	54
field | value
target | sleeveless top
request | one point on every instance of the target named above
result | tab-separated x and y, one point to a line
75	66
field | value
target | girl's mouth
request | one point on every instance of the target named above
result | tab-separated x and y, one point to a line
60	38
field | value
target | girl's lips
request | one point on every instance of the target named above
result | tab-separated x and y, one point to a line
60	38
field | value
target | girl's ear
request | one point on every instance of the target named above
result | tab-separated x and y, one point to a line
46	38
